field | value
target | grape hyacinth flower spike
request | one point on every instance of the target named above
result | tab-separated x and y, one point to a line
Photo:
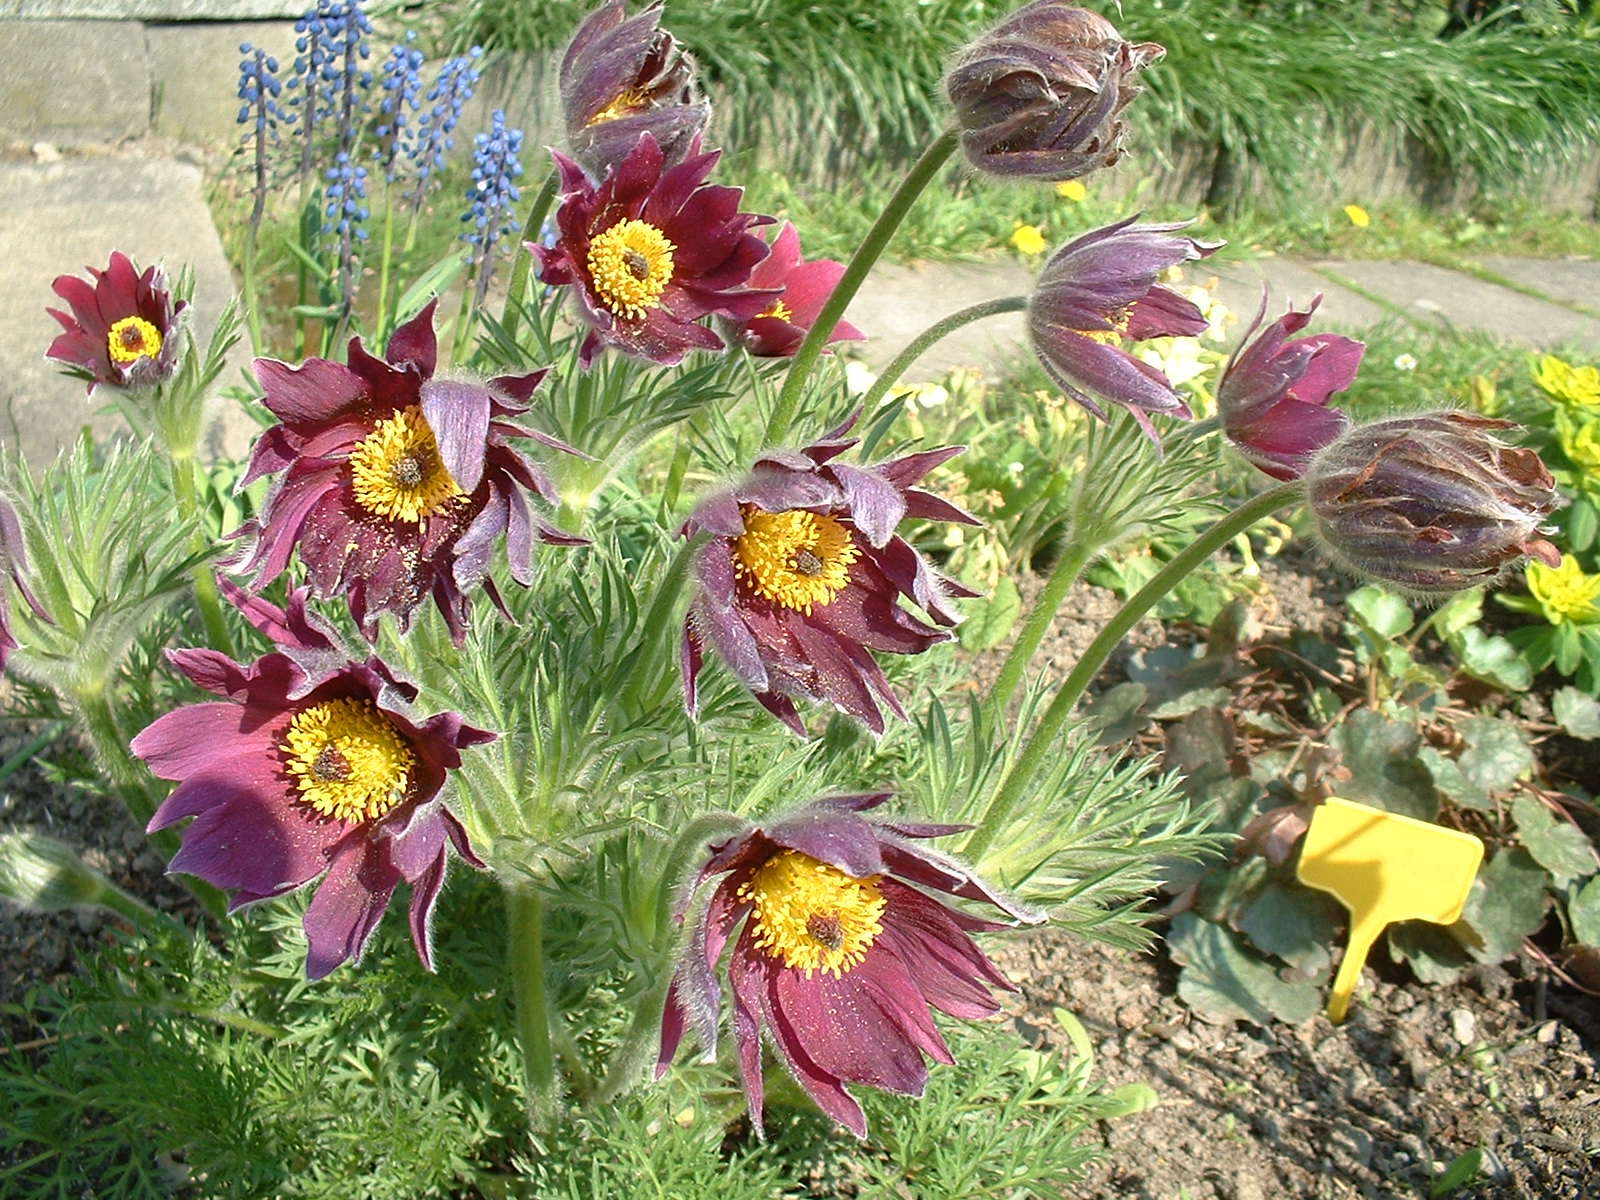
1273	397
396	484
803	575
623	77
845	947
124	329
1432	502
802	289
1041	94
312	765
651	250
1101	288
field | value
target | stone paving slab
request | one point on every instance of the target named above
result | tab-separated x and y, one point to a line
195	72
1430	294
1568	280
1287	282
73	81
898	302
155	10
62	217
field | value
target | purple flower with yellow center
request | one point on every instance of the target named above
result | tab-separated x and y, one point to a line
843	952
623	77
1431	502
802	289
650	251
1041	94
312	765
1100	289
124	327
803	576
1273	398
396	485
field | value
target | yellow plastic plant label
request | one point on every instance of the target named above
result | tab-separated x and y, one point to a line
1384	868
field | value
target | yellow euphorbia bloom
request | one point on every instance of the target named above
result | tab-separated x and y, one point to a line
1029	239
1567	383
1073	190
1565	593
1359	217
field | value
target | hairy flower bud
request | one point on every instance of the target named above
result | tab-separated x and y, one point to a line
1040	94
1431	502
623	77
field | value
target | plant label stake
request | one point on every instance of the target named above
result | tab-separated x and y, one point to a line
1384	868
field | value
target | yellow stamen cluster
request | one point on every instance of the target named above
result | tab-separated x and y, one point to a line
397	471
627	102
348	760
794	558
779	311
131	339
811	916
631	265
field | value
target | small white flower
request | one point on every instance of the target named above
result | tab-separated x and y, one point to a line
858	378
1405	362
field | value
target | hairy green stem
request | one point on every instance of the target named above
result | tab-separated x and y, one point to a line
110	745
1041	742
205	583
933	333
1065	573
511	315
525	957
872	246
657	622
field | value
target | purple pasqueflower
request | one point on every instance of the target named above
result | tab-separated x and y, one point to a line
801	288
13	564
1273	398
312	765
842	954
651	250
396	485
1040	95
623	77
124	328
1100	288
1431	502
804	573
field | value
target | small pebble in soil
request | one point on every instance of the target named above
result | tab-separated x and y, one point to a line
1463	1025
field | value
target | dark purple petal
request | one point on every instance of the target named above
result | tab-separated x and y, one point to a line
250	835
840	839
414	343
458	413
349	902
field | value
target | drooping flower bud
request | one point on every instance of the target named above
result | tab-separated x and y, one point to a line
1041	93
1273	398
1101	288
625	76
1431	502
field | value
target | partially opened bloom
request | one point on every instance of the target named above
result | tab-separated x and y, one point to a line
1273	398
312	765
801	289
842	954
803	575
396	485
651	250
123	329
1099	289
623	77
13	563
1040	95
1432	502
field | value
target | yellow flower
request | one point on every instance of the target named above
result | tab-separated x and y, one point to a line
1359	217
1029	239
1072	189
1580	442
1573	385
1565	593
